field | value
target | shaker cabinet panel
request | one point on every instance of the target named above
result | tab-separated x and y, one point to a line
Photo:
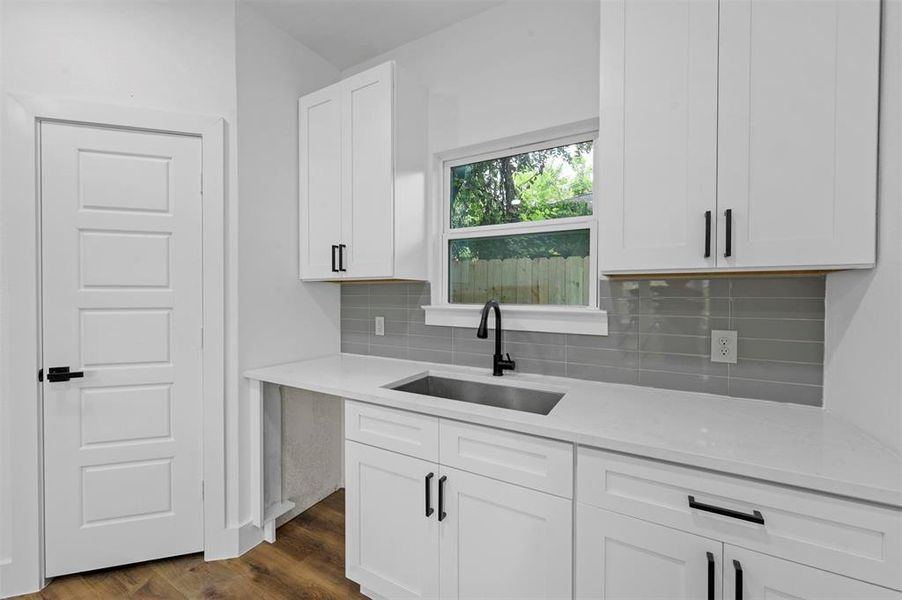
620	557
319	152
367	173
658	134
499	540
391	542
749	575
797	154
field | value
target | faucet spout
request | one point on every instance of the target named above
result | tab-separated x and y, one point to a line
499	362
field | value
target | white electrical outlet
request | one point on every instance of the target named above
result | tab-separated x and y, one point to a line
724	346
380	325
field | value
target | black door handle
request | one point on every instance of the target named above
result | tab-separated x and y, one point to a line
738	568
341	258
441	498
707	234
334	248
755	517
728	245
57	374
429	509
710	576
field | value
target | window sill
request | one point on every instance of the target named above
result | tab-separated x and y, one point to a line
548	319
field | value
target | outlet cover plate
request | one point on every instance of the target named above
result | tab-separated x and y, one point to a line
724	346
380	326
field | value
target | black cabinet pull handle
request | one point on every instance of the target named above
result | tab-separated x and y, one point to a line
429	509
738	568
755	517
710	576
441	498
341	257
334	248
728	245
707	234
57	374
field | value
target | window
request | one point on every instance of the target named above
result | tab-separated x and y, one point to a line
519	226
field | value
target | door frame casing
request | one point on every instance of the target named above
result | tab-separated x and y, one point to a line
20	320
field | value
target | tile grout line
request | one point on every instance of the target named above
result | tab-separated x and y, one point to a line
732	327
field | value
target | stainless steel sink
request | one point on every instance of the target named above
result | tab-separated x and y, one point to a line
488	394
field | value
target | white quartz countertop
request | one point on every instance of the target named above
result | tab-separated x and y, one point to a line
794	445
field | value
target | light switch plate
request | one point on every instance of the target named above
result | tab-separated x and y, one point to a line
380	325
724	346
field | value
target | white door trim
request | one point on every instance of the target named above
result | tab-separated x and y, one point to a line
23	569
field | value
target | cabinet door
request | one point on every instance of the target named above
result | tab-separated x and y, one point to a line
762	577
319	185
621	557
798	132
500	540
657	142
367	173
391	543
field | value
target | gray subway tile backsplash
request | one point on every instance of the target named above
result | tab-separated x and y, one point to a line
659	332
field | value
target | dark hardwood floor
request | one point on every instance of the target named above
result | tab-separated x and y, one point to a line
307	561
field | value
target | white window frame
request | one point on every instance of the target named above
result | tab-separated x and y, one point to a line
588	319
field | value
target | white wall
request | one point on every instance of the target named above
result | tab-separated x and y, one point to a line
5	441
863	361
177	56
282	319
523	66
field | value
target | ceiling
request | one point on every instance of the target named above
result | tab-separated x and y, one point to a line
348	32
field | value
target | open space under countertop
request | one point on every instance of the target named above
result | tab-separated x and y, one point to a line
793	445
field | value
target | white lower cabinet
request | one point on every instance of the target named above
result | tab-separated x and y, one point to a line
469	537
649	529
750	575
500	524
622	557
503	541
416	528
391	544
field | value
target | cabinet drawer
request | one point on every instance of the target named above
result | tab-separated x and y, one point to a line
397	430
851	538
532	462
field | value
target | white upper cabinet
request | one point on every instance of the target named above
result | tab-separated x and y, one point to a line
366	174
763	108
797	158
363	178
657	136
319	152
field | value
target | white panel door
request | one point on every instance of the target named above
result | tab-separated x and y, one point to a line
367	173
121	243
797	133
319	185
500	540
750	575
621	557
657	141
391	522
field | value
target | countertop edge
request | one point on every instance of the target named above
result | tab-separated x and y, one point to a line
730	467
